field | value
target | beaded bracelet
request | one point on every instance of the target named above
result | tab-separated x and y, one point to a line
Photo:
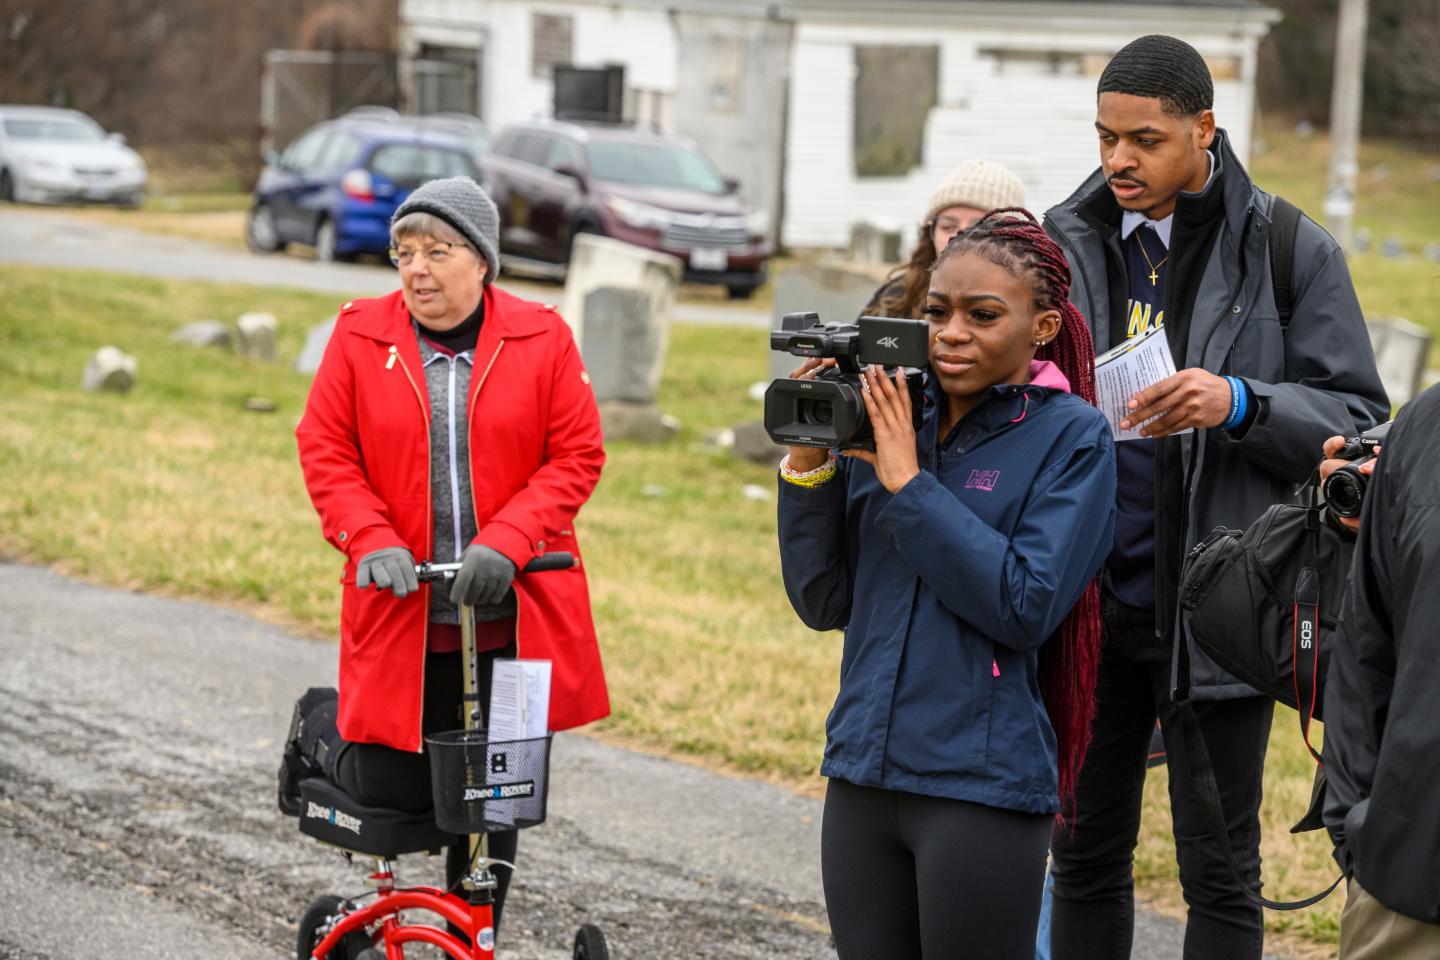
810	478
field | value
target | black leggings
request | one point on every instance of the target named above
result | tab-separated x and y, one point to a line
908	876
380	776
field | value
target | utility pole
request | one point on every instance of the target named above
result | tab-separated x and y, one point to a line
1345	121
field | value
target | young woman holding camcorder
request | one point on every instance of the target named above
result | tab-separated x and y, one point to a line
960	561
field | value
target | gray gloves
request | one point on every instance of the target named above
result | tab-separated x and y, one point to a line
484	576
392	568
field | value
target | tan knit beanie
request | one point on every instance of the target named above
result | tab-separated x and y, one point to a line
980	184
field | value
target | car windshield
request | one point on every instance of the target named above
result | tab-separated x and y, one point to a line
53	128
410	165
653	165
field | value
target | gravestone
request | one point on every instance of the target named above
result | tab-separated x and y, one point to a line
1401	352
256	335
622	345
604	262
1363	240
110	369
1432	252
836	291
315	343
1393	249
618	300
752	443
872	242
203	333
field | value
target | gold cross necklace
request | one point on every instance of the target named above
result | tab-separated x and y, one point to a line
1153	266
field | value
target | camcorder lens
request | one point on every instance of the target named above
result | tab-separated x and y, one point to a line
815	413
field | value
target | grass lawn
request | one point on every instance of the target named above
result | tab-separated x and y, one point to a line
175	488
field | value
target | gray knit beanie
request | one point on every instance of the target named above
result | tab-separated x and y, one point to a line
460	202
980	184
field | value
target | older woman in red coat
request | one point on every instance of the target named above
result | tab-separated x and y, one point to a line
449	421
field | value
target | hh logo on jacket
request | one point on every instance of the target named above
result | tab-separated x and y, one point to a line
983	480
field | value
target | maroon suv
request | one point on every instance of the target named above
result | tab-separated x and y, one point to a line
554	180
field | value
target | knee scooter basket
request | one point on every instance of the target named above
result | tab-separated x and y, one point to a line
485	786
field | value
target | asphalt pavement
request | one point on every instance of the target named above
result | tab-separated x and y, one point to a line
49	239
138	745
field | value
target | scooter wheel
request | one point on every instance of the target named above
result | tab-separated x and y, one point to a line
590	944
316	917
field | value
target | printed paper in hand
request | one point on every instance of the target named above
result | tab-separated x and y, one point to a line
519	699
1121	373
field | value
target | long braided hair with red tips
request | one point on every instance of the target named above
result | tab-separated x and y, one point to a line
1011	238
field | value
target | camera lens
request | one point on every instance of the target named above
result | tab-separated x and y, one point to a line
815	413
1345	491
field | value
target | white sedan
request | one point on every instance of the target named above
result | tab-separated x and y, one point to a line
50	155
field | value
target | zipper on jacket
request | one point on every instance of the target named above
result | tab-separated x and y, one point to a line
429	539
470	433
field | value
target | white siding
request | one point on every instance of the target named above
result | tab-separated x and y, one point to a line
1038	124
643	40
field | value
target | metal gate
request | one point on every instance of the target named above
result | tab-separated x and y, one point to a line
299	88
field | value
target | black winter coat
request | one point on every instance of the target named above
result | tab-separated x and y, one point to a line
1382	685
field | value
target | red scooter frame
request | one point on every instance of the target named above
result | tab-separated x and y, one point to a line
472	909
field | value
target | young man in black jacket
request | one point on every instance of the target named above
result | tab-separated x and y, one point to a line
1170	232
1382	704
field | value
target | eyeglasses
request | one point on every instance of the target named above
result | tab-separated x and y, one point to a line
437	254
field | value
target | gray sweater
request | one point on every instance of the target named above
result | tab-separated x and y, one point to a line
447	380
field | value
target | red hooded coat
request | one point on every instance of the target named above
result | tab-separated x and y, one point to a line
535	457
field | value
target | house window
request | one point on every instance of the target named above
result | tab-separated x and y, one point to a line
551	43
895	90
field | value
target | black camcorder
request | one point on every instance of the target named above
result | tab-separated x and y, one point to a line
1344	489
829	410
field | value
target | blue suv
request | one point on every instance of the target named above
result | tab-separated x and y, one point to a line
337	185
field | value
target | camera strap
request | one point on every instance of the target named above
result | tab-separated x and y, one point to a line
1197	753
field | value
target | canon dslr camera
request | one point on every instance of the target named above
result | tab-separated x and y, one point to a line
1345	488
829	410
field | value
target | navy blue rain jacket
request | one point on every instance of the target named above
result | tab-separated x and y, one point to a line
947	589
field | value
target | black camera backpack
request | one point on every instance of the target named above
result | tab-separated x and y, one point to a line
1264	604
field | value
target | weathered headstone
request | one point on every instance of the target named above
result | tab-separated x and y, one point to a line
203	333
622	345
620	420
110	369
1402	350
315	343
256	335
836	291
604	262
872	242
618	299
754	444
1393	249
1364	240
1432	252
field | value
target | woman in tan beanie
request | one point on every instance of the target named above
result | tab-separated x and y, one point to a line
967	194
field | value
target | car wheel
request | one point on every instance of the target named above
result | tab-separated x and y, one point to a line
260	233
741	292
7	187
326	236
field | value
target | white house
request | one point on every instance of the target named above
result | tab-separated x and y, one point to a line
831	112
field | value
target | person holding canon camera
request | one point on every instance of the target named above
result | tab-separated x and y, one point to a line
1382	701
960	561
